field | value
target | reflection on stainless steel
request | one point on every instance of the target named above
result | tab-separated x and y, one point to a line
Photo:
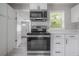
38	53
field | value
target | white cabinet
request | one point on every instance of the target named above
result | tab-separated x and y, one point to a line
3	9
65	45
72	45
7	28
11	29
75	13
43	6
37	6
57	48
3	35
11	34
3	29
11	12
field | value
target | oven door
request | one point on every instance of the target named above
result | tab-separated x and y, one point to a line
38	44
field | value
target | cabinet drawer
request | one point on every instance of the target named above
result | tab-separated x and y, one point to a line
3	9
61	48
58	36
58	41
58	53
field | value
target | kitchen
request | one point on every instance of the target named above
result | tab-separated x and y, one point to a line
45	29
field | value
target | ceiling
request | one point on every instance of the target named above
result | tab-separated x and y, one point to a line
26	5
19	5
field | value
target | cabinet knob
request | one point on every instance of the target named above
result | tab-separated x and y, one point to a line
66	41
15	40
72	36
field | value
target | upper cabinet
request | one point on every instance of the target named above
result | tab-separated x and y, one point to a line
38	6
75	13
3	9
11	12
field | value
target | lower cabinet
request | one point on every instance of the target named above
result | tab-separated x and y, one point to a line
72	45
57	47
64	45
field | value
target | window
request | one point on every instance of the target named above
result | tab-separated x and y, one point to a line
57	20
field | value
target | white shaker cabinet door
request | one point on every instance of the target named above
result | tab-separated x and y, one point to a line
3	9
43	6
36	6
72	45
3	35
11	34
11	12
75	13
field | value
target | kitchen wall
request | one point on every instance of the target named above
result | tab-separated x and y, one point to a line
51	6
67	9
21	16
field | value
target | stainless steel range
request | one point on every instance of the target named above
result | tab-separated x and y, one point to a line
38	41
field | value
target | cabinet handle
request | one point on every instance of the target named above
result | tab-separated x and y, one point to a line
58	52
72	36
58	36
15	40
66	41
57	43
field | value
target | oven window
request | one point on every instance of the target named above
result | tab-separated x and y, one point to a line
36	44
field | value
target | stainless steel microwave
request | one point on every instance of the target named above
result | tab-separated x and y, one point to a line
38	14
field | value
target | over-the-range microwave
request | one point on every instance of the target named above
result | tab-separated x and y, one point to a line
38	14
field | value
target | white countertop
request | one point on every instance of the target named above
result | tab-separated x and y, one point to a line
65	31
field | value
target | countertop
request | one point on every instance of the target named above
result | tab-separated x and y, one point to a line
64	31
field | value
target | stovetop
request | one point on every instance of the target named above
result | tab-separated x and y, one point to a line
37	33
